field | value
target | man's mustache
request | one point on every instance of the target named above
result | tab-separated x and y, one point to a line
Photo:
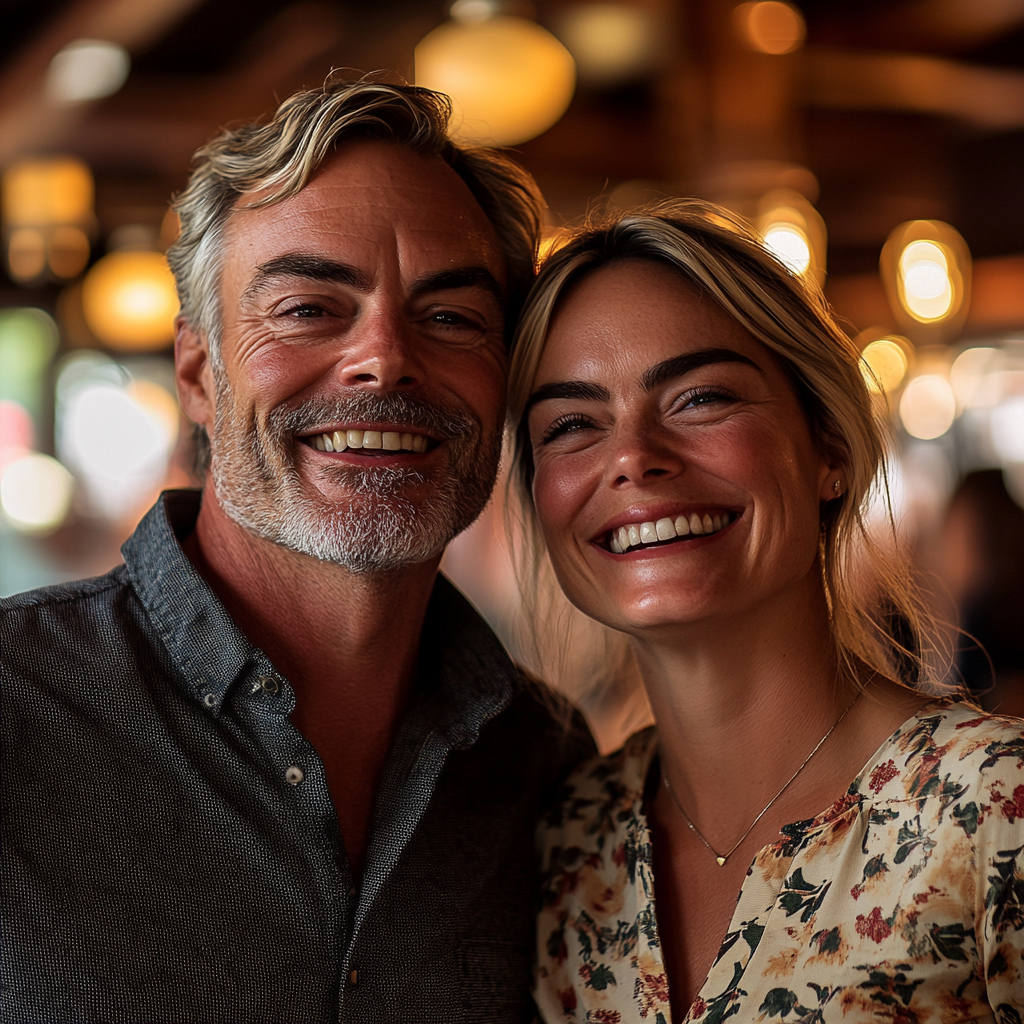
441	421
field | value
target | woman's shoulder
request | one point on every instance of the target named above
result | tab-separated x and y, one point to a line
603	788
951	751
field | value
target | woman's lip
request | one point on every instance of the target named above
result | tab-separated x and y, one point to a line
636	516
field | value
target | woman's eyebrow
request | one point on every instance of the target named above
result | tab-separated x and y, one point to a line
577	389
679	366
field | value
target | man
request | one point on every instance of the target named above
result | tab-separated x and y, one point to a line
272	768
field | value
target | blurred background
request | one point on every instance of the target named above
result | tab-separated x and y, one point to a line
877	145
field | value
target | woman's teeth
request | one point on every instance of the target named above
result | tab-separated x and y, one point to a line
389	440
639	534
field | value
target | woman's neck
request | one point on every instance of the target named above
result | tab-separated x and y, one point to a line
740	702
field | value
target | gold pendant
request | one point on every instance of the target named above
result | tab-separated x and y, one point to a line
721	861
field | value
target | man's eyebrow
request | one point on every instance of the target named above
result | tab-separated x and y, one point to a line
460	277
310	267
577	389
679	366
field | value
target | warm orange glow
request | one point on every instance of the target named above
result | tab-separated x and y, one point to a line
884	364
68	250
130	301
26	254
43	192
926	270
770	26
794	232
928	407
509	79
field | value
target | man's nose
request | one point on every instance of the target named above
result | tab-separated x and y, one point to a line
382	352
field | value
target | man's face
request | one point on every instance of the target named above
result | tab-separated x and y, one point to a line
364	315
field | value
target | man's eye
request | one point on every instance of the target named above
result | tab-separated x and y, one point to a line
569	424
449	319
305	311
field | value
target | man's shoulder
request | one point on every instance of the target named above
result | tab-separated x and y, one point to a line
70	630
60	598
544	726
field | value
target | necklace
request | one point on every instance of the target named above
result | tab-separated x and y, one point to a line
723	857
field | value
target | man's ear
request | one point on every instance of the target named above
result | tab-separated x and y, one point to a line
197	389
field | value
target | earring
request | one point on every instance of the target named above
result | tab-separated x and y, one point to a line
835	488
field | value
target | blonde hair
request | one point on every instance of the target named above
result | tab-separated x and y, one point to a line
876	616
275	160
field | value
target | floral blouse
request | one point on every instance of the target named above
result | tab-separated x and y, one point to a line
902	903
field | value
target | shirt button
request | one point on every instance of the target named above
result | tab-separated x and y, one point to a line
269	684
209	700
294	774
353	977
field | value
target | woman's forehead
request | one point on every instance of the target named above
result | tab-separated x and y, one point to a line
633	315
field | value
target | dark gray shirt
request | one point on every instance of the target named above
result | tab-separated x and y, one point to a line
170	850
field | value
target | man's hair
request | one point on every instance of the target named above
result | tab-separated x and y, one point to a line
275	160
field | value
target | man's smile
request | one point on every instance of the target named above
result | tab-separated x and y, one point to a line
353	438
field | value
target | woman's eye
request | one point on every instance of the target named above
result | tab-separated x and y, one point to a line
569	424
703	397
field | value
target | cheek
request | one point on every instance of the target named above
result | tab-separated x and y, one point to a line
561	491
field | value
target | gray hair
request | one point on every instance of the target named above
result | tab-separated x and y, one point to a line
275	160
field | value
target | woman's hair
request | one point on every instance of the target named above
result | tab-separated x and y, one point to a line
877	619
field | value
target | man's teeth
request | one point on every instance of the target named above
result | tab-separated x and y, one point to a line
389	440
636	535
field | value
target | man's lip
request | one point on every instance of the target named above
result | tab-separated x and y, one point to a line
364	425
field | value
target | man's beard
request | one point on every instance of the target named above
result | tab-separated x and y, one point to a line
375	527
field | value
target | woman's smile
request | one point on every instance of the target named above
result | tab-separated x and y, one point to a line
675	474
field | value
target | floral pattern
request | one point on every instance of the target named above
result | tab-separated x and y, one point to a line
901	903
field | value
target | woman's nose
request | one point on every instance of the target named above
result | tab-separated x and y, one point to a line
642	454
382	352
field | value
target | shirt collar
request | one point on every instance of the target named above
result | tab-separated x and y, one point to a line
466	677
209	650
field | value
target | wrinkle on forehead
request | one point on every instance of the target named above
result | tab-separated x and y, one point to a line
403	204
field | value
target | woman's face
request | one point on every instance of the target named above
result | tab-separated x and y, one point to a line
676	477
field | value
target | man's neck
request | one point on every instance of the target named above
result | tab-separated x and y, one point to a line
346	642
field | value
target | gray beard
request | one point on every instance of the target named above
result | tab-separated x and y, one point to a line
378	528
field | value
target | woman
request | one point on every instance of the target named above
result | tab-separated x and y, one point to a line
697	444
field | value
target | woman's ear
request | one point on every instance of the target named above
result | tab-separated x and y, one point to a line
197	390
833	481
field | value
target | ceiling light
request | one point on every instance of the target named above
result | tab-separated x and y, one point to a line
87	69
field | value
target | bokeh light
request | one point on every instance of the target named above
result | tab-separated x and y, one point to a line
926	269
42	192
509	79
794	232
26	254
611	42
1008	431
87	69
790	244
16	432
885	364
35	493
928	407
927	288
28	341
770	26
130	301
68	248
970	374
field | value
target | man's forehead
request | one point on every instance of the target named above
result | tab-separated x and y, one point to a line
369	195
